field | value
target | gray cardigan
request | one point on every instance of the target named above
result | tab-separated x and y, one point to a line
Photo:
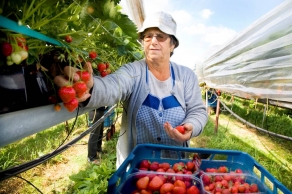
128	85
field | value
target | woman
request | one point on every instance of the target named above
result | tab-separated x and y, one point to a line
157	94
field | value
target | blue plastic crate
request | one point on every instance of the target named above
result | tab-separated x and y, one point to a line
155	152
109	120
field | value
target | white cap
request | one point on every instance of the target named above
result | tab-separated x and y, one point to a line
161	20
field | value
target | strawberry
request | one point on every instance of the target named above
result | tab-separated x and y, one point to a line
238	170
206	179
165	188
225	191
247	186
193	190
154	166
181	129
57	107
227	177
16	58
84	75
179	176
80	88
225	183
222	169
144	164
218	178
188	183
142	183
178	190
21	42
103	73
145	192
190	165
177	167
241	188
212	186
107	65
179	183
164	165
155	184
6	48
72	105
92	54
185	178
23	54
135	192
68	38
151	176
101	67
253	188
53	99
160	170
66	93
234	189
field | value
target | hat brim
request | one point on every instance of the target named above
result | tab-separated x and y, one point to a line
162	28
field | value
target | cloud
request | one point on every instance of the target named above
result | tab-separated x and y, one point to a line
153	6
196	29
182	17
218	35
205	13
187	56
211	34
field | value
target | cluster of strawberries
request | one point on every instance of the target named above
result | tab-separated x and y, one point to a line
69	93
103	69
14	49
165	184
221	180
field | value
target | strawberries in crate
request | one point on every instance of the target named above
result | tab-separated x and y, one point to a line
184	167
159	182
231	183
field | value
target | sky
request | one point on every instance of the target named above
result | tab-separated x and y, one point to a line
204	25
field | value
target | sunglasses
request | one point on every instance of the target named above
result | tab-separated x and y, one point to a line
159	37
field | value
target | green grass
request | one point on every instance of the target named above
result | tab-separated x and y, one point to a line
37	145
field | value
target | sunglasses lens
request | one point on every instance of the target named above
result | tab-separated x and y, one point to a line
159	37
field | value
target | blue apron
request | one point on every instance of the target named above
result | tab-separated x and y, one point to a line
150	119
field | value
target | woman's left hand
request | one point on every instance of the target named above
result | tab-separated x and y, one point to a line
176	135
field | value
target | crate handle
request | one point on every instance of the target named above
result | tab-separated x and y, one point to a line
120	173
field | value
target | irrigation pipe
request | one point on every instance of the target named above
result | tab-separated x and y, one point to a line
5	174
253	126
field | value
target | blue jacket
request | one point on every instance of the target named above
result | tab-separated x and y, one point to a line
128	85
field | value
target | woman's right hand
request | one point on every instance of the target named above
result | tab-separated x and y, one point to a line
70	73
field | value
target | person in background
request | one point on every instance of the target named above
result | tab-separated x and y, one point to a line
157	94
96	136
212	101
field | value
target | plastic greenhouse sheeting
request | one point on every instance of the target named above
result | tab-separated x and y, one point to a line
257	63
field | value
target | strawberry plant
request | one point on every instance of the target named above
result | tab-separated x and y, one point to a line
74	32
